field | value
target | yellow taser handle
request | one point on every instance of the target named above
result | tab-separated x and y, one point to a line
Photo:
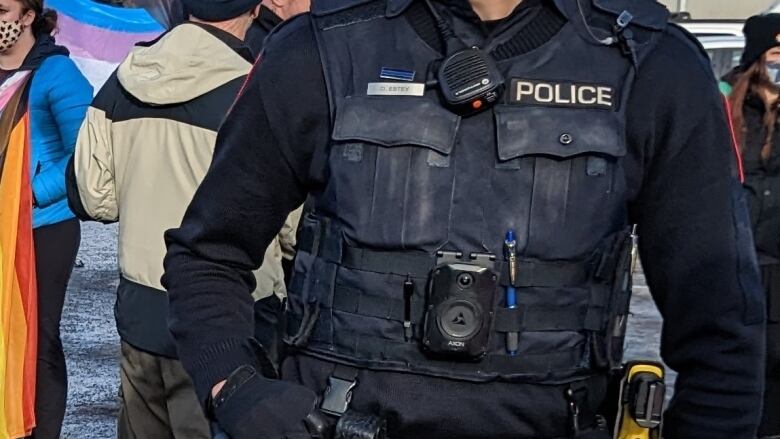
628	428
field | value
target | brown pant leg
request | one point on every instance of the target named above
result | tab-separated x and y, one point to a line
143	413
187	420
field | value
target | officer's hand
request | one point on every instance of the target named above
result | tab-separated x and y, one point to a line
250	406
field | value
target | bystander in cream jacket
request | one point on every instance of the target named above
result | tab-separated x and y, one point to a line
142	152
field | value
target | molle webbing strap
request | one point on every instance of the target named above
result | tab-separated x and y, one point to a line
374	347
535	273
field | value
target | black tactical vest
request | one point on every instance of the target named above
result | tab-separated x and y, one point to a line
408	178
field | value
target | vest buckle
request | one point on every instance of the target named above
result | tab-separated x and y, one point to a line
338	395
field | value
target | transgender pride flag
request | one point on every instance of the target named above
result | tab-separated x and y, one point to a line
100	36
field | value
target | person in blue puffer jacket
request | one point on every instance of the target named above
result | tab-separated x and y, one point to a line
59	96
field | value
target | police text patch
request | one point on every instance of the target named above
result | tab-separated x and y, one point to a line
561	94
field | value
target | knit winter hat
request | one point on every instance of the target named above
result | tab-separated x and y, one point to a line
762	32
219	10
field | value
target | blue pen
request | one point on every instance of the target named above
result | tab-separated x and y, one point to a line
510	247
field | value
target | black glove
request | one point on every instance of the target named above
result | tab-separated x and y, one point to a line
251	406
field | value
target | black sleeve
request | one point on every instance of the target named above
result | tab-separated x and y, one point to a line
696	246
72	191
259	174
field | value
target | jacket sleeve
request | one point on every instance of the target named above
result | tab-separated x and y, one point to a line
260	174
95	197
288	233
696	246
68	99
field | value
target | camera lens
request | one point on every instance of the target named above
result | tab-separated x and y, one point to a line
465	280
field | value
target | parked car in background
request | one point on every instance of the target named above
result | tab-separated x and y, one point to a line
722	39
724	51
713	28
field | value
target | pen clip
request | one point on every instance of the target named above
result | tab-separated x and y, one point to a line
510	249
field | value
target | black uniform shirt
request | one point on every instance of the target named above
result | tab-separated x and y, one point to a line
272	151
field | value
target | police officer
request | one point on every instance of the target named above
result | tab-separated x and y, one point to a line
424	132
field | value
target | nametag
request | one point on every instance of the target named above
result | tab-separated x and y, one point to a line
561	94
395	89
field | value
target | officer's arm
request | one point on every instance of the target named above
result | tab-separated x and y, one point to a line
258	176
696	247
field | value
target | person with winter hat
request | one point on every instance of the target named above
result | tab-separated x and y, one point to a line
142	152
755	113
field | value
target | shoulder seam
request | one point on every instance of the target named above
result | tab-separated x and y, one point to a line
326	7
679	33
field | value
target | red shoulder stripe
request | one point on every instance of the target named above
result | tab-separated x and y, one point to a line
737	151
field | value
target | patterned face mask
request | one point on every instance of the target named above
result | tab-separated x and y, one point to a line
773	71
10	32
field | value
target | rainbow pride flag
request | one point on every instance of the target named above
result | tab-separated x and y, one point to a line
100	36
18	293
